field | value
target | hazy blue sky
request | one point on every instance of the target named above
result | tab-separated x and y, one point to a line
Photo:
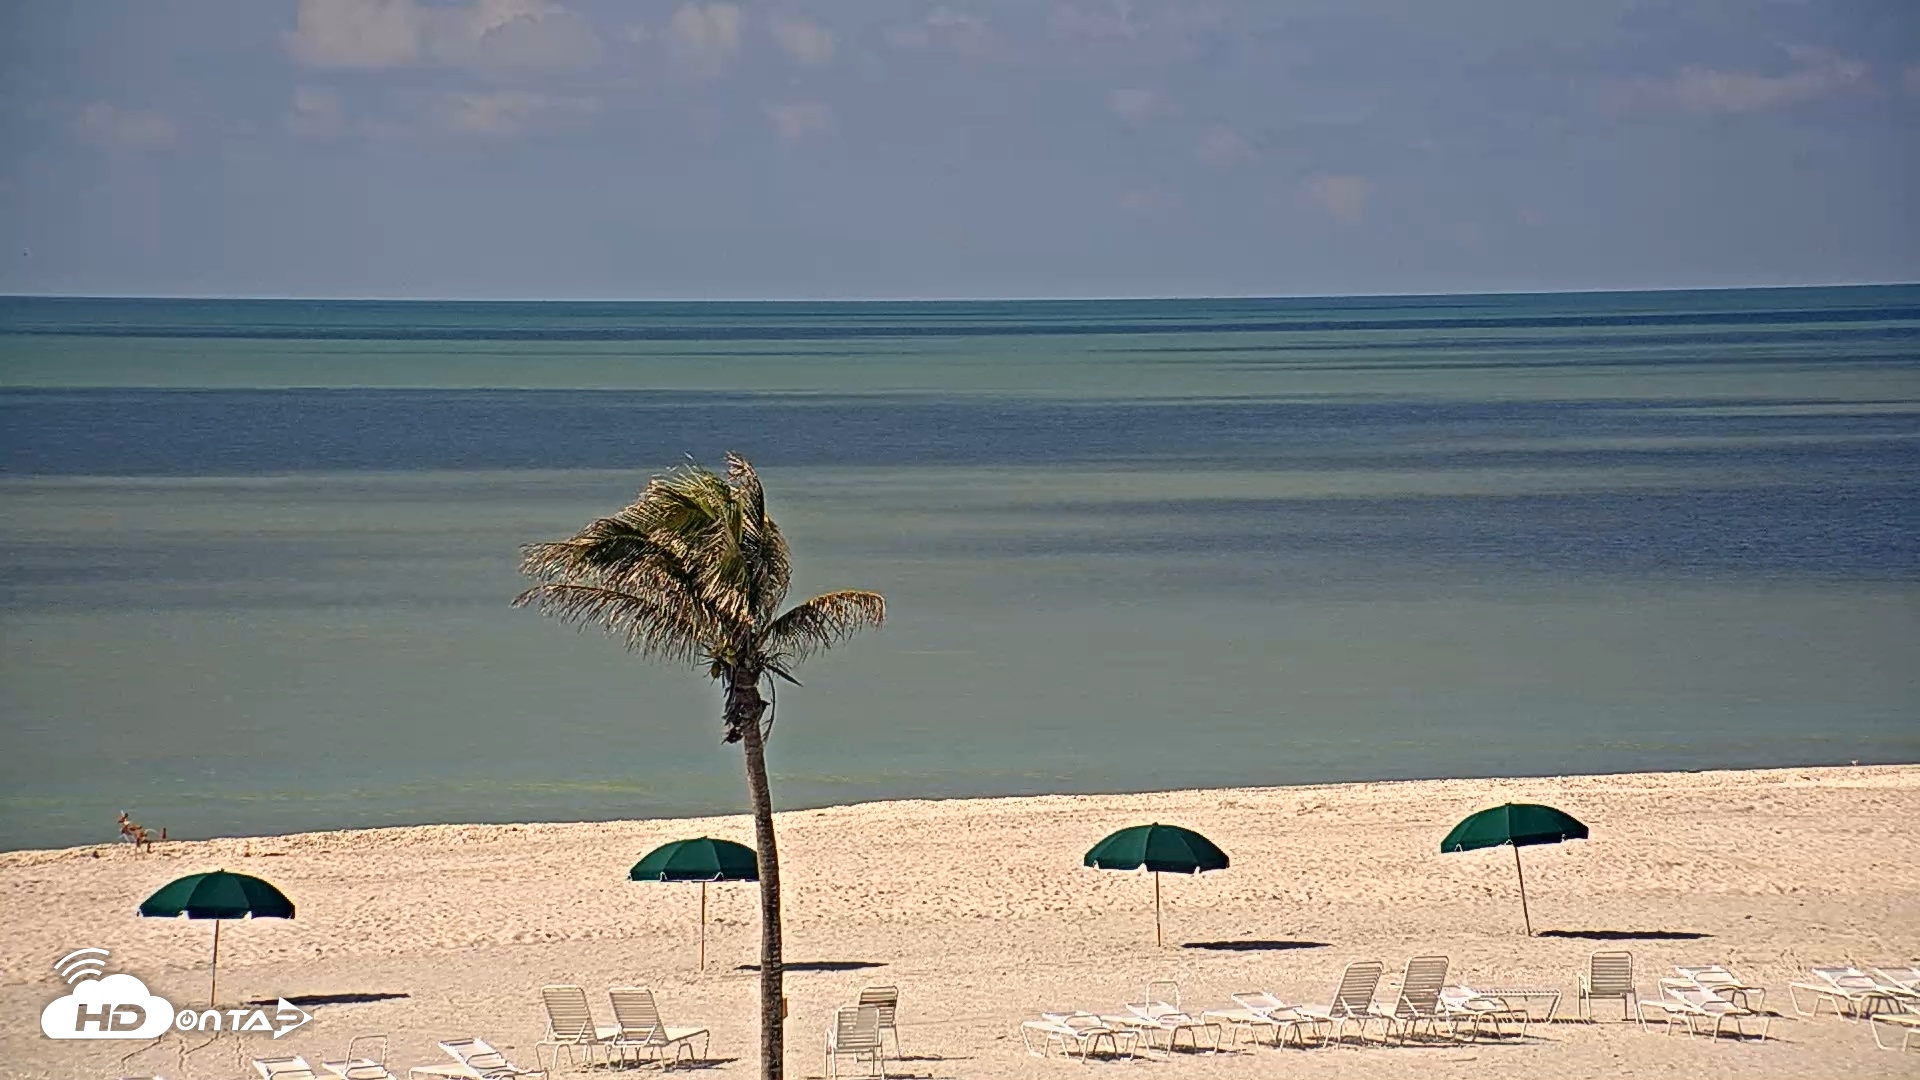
654	148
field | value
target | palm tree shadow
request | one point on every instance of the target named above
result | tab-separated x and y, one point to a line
1625	935
820	965
1254	945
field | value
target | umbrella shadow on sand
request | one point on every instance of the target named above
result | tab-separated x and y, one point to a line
1255	946
304	1000
820	965
1626	935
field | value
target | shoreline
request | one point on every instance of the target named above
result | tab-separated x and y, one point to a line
1763	775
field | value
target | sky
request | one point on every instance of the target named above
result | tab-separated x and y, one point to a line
645	149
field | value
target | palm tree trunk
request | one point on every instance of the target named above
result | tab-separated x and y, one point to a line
744	709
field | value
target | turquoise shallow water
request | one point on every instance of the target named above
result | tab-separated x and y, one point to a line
258	554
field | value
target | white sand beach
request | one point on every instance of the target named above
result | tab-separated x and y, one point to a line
980	911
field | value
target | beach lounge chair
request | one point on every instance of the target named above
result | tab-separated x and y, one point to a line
1352	1000
1901	982
476	1060
640	1029
1150	1017
1849	991
887	1000
1255	1012
363	1062
1725	983
1463	1006
1609	975
1080	1032
1907	1024
1908	977
1418	1000
1161	1013
570	1025
855	1033
294	1067
1685	1001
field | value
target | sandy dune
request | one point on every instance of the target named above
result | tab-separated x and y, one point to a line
980	911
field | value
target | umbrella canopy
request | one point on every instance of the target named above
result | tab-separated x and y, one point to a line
218	895
1519	824
1162	849
703	859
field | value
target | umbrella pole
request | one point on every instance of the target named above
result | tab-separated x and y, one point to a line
1156	908
703	926
213	983
1528	919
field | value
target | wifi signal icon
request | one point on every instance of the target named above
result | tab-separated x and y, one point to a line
81	964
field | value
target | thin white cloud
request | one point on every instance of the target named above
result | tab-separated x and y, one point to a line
806	42
1816	74
1096	23
944	28
357	33
706	35
316	112
515	33
796	120
1222	147
398	33
1137	106
509	112
1343	198
126	129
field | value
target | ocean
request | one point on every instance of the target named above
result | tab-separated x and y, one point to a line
258	555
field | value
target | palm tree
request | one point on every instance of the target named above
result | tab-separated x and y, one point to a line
694	571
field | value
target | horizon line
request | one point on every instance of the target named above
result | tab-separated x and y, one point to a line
1087	298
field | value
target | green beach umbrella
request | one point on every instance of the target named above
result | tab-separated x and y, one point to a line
218	895
1162	849
1519	824
704	859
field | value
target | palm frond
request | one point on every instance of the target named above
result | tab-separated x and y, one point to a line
645	623
822	622
763	549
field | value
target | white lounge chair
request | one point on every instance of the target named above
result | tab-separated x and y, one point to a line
1463	1006
1609	976
1418	1000
1685	1001
570	1025
1908	977
1849	991
1151	1017
1080	1032
887	1000
294	1067
1257	1011
1352	1000
1907	1024
1901	982
363	1063
638	1027
855	1033
477	1060
1724	983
